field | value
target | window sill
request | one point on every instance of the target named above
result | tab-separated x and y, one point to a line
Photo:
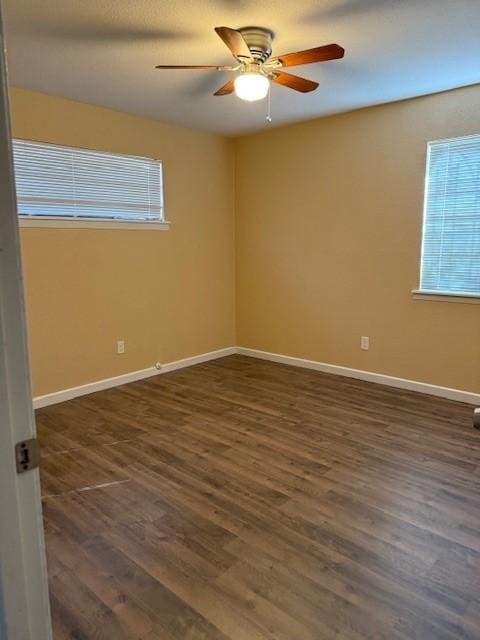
69	223
446	297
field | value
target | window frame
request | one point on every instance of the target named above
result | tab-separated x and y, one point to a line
425	294
84	222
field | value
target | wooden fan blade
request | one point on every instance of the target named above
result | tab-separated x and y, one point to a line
294	82
234	41
318	54
193	66
226	89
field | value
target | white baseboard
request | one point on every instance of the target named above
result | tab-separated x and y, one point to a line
203	357
379	378
359	374
133	376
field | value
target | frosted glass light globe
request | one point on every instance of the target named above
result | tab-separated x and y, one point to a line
251	86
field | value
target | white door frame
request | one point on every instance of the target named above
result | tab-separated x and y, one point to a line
24	604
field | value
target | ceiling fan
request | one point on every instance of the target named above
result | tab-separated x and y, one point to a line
252	48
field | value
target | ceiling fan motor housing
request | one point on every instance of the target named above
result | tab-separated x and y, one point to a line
259	41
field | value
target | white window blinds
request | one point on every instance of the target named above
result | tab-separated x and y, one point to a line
451	226
65	182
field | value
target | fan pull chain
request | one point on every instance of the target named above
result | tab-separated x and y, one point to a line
269	117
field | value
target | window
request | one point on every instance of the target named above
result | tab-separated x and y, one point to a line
56	183
450	261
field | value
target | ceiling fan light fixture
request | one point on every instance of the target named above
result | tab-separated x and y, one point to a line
252	49
251	86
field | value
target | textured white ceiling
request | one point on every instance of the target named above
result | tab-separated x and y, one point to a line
104	51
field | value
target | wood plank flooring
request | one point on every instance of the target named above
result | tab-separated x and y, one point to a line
247	500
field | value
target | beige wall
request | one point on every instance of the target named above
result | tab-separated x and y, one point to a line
328	223
168	294
328	232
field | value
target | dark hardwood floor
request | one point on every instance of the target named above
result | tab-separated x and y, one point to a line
246	500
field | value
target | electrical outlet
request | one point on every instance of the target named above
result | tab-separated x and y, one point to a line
120	346
365	343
